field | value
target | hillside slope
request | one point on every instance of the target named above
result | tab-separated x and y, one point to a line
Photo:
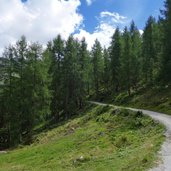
157	99
165	153
102	138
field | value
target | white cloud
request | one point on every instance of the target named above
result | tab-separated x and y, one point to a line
141	32
37	20
89	2
103	32
114	17
43	20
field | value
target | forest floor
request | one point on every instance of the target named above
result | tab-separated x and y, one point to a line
101	138
165	152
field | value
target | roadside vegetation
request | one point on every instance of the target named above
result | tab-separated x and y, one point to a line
100	138
156	99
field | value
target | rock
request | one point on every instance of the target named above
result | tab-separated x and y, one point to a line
81	158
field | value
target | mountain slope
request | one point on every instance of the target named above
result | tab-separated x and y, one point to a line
165	152
156	99
102	138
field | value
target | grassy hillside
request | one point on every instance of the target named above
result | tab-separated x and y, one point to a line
157	99
101	138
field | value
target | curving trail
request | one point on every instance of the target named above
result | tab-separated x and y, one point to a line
165	153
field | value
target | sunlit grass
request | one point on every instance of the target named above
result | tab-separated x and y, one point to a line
102	138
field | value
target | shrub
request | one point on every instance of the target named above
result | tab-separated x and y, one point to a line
122	141
122	98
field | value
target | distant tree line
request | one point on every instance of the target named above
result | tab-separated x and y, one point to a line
37	84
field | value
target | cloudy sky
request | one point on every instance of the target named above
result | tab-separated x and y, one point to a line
42	20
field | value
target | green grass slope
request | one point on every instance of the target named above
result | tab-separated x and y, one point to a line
157	99
101	138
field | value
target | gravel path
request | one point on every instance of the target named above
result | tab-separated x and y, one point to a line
165	153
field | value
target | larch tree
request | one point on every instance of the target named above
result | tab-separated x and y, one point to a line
83	62
148	52
165	75
97	64
107	72
126	61
115	56
70	77
56	72
136	59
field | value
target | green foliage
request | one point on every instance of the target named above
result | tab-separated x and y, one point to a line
97	64
121	98
159	99
25	93
148	51
115	56
126	61
106	73
69	70
71	77
102	109
55	53
122	141
136	59
87	144
165	75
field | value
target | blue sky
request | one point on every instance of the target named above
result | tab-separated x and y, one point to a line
137	10
43	20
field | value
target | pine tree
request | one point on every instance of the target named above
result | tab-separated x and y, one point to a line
56	72
126	61
70	77
36	96
33	85
135	55
97	63
115	56
165	74
107	73
10	97
83	62
20	51
148	51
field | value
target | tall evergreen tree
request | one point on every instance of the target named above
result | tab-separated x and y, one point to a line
70	77
20	55
166	60
126	61
97	63
34	85
135	55
56	72
148	51
10	97
107	73
115	56
83	62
